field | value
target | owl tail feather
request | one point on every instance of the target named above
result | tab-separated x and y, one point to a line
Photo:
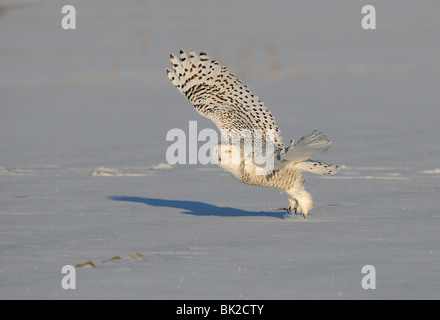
317	167
300	153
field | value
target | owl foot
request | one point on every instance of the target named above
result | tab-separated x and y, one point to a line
289	210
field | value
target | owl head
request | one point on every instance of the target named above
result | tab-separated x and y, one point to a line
229	156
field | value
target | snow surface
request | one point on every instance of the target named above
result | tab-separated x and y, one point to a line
83	173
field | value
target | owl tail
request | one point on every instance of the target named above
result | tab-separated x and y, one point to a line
300	153
317	167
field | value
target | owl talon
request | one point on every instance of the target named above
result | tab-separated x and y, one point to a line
289	210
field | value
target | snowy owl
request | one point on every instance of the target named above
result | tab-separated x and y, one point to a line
218	95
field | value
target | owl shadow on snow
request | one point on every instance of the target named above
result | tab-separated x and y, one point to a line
199	208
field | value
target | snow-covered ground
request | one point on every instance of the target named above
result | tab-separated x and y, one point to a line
83	173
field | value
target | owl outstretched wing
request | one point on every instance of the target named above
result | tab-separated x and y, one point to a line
220	96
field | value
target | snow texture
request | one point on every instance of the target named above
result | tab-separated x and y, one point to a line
83	173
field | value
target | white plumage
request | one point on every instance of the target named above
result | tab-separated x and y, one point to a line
241	117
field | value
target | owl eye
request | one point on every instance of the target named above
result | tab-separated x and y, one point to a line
228	151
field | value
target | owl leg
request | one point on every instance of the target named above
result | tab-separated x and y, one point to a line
300	201
305	202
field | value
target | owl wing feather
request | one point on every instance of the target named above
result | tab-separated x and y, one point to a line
220	96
